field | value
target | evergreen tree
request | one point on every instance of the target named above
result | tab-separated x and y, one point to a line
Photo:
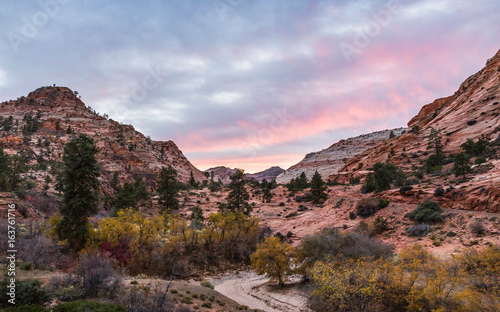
126	198
438	157
462	165
192	181
383	176
4	171
58	126
237	198
115	182
69	130
168	188
302	181
140	189
267	195
18	165
80	188
197	217
318	188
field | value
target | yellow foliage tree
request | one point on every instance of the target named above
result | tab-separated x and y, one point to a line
275	259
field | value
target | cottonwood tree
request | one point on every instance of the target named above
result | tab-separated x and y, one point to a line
275	259
80	189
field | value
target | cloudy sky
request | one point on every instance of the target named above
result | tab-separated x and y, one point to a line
248	83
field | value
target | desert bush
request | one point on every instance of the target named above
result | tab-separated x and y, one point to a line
379	225
352	286
405	189
330	243
28	292
207	284
27	308
419	230
438	192
79	306
477	227
428	211
66	287
98	275
42	202
155	299
368	206
42	252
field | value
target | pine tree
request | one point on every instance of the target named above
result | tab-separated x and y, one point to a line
192	181
318	188
267	195
168	188
237	198
80	188
462	165
438	157
302	181
4	171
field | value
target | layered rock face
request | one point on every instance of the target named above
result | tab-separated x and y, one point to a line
267	174
472	112
333	158
121	147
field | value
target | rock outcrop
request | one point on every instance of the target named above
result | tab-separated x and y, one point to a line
472	112
61	116
333	158
267	174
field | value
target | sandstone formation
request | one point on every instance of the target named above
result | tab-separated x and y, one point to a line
331	159
122	148
472	112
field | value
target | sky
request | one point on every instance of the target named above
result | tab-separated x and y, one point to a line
248	83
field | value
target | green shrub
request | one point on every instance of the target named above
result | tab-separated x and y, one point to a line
207	284
427	211
419	230
27	308
27	266
380	225
480	160
451	234
331	243
368	206
84	306
207	305
28	292
477	227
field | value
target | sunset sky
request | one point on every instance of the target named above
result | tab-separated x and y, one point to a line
248	83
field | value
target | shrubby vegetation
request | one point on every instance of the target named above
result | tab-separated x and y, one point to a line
368	206
414	281
428	211
167	245
383	177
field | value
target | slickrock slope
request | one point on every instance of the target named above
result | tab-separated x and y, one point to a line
267	174
470	113
333	158
122	148
221	173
